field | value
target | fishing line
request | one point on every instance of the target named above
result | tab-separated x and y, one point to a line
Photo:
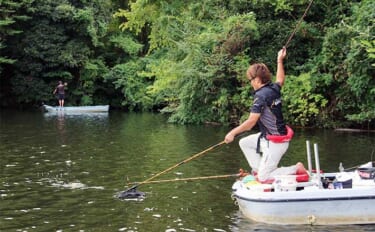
297	26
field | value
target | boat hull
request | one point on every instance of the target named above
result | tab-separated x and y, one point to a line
315	206
78	109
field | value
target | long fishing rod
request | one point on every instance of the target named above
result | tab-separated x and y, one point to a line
130	190
298	24
192	178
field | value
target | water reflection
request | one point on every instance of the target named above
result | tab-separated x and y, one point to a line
240	224
61	127
77	114
67	121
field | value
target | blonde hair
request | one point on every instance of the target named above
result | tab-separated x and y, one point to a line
259	70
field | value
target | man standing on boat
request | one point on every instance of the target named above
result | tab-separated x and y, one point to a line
60	90
264	150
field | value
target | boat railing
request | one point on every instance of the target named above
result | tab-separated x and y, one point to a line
316	178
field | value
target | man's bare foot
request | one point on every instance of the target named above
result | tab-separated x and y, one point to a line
300	169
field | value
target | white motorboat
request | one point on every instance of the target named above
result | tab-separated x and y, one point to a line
345	197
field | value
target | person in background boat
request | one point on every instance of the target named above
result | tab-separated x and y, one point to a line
60	90
264	150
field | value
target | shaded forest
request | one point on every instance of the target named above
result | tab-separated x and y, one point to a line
188	59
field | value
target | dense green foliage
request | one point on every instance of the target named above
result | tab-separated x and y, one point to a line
189	58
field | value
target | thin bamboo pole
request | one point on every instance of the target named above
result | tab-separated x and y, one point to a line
191	178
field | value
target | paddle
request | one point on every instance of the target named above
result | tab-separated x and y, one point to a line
132	193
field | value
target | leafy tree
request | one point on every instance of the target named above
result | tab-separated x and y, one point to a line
61	39
7	19
301	105
9	16
191	53
132	85
189	58
350	83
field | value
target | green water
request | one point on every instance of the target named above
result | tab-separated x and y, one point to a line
62	172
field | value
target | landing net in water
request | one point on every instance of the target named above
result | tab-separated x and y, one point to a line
131	194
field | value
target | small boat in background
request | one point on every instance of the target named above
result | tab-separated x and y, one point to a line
344	197
77	109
